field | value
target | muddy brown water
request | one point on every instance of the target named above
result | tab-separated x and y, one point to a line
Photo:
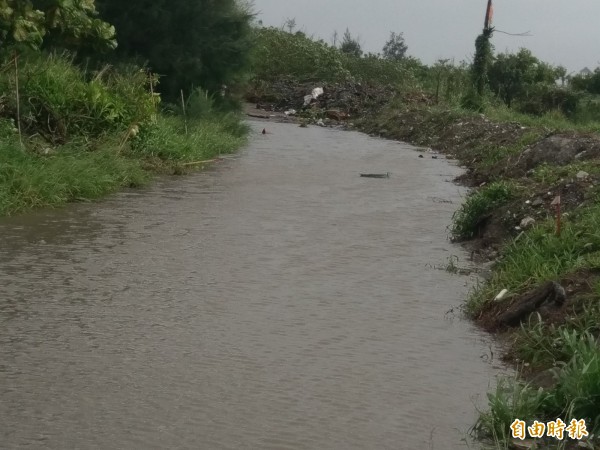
276	301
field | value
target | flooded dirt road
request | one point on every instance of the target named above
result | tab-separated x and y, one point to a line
275	301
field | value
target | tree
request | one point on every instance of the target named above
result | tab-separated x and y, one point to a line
561	74
395	48
350	45
190	43
587	82
65	23
511	75
290	24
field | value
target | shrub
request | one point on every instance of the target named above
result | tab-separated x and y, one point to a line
58	102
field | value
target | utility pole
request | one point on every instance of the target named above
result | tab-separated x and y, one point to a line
489	14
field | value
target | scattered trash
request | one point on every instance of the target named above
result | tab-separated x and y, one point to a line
316	93
527	222
264	131
375	175
582	175
434	157
420	156
321	123
537	202
501	295
290	112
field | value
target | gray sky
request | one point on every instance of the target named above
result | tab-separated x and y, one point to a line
563	31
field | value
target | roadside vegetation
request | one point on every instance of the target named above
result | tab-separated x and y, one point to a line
527	134
79	119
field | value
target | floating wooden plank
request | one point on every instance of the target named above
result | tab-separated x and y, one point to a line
375	175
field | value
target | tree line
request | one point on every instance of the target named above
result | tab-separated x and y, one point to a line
200	43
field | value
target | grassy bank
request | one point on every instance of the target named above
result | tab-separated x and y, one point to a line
84	135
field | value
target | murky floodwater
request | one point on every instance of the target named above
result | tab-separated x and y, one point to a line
276	301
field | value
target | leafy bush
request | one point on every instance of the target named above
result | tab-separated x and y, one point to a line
541	99
279	54
58	102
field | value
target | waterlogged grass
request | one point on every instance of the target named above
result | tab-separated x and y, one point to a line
85	170
575	393
172	139
511	400
29	181
479	204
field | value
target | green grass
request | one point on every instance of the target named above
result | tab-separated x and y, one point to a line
511	400
477	205
30	181
554	120
539	255
549	174
171	140
84	170
85	135
574	395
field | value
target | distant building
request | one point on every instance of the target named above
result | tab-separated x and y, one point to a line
585	72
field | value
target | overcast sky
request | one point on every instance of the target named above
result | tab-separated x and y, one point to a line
563	32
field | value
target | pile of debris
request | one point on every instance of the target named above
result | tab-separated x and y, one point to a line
336	101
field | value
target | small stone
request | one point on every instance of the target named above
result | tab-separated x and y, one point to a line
537	202
527	444
420	156
527	222
582	175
